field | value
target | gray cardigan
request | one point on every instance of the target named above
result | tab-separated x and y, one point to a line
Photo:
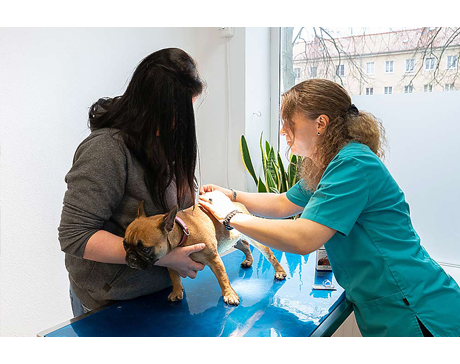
104	188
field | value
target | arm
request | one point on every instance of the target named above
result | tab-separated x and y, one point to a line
271	205
108	248
299	236
96	185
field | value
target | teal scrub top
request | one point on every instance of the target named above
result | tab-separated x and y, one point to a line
376	254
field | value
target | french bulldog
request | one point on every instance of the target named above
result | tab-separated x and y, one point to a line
148	239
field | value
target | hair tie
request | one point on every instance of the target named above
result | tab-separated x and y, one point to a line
353	110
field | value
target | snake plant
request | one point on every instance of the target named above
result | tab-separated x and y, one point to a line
276	178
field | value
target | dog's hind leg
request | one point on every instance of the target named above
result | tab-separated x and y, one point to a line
218	268
280	274
244	247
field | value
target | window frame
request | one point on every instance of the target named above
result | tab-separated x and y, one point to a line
392	63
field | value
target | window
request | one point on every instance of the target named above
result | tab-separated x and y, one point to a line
370	68
389	66
297	72
340	70
452	62
410	65
429	64
305	47
313	72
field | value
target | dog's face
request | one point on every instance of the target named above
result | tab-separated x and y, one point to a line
146	238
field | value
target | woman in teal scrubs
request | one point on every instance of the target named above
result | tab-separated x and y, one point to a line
350	203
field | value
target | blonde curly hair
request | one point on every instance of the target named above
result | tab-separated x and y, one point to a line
316	97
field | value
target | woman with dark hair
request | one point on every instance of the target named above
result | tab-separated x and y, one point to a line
350	203
142	147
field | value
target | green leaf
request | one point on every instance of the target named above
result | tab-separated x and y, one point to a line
283	175
292	171
247	158
272	167
274	190
261	186
264	158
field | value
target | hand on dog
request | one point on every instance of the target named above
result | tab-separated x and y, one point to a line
217	204
210	188
179	260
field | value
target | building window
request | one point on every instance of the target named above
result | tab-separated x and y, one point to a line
388	90
410	65
389	66
449	87
452	62
369	90
428	88
429	64
313	72
340	70
408	89
370	68
297	72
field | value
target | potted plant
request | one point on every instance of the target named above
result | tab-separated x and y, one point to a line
276	178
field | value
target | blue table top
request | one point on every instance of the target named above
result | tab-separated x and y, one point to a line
267	307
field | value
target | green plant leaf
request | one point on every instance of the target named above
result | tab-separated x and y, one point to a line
283	175
274	190
247	158
264	157
261	186
292	171
272	167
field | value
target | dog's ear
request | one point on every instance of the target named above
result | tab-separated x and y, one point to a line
140	210
168	221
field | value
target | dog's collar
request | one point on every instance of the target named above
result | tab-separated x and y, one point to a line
184	227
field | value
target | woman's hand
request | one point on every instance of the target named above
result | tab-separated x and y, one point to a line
179	260
210	188
217	204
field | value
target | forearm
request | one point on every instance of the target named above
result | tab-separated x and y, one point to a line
269	205
292	236
105	247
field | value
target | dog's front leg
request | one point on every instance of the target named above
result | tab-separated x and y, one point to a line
177	292
218	268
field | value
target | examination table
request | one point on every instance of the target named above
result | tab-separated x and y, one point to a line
267	307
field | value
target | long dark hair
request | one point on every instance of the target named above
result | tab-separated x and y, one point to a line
156	119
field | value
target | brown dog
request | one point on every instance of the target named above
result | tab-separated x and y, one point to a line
148	239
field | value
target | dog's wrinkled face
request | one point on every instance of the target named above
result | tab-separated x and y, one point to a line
146	238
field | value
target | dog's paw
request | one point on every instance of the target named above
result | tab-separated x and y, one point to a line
176	296
231	298
246	263
280	275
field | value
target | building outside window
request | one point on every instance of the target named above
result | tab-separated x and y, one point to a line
369	90
405	56
449	87
410	65
370	67
297	72
388	90
389	66
452	62
429	64
408	89
428	88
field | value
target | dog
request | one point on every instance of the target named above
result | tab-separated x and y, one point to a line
148	239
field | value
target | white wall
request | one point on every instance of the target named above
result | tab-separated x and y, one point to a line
48	79
422	131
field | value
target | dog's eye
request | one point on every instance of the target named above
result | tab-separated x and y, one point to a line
146	250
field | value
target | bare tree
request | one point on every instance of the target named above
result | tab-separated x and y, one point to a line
327	53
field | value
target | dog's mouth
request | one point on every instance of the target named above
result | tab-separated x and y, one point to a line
136	261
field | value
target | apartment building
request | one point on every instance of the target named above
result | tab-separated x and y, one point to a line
416	60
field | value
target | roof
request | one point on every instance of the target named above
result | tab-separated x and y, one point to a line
391	42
